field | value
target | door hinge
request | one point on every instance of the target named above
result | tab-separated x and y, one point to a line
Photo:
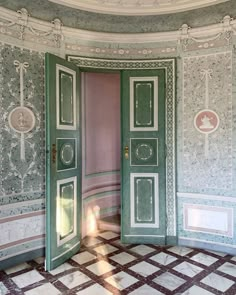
166	152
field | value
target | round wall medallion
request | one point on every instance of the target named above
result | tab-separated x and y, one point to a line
206	121
144	151
67	153
21	119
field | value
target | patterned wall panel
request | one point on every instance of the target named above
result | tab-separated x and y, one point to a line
206	160
22	150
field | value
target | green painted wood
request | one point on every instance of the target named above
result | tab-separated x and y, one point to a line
143	188
144	193
66	94
63	168
143	112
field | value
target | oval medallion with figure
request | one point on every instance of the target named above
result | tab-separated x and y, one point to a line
21	119
206	121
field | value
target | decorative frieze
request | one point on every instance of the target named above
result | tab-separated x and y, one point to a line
190	39
19	25
121	52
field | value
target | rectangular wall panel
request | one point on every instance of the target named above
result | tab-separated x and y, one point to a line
144	200
66	213
208	219
65	98
143	112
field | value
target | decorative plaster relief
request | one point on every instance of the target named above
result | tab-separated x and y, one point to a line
23	28
190	40
207	99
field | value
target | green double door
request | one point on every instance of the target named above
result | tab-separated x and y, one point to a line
143	159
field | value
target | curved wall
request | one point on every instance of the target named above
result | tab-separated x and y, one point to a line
75	18
206	185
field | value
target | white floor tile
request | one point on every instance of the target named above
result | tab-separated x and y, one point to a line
27	278
74	279
3	289
204	259
121	280
17	268
94	290
146	290
182	251
228	268
91	241
142	250
44	289
221	254
188	269
60	269
105	249
108	235
123	258
195	290
169	281
144	268
101	267
83	257
163	258
218	282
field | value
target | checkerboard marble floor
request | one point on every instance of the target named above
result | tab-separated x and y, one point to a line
105	266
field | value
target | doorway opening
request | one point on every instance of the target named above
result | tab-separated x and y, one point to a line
101	150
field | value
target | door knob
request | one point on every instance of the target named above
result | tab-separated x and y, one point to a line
126	152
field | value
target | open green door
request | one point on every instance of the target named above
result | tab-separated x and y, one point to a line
63	184
143	214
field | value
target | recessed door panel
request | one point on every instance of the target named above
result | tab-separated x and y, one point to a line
66	98
144	197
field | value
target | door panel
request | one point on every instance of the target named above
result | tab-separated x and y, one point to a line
143	158
63	187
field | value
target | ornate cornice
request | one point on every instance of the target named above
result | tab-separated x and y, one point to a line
44	35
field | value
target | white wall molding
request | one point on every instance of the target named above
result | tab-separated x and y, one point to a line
53	36
206	197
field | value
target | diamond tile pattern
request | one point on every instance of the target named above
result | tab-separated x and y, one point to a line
104	266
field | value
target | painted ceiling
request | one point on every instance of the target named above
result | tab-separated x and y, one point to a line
137	7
